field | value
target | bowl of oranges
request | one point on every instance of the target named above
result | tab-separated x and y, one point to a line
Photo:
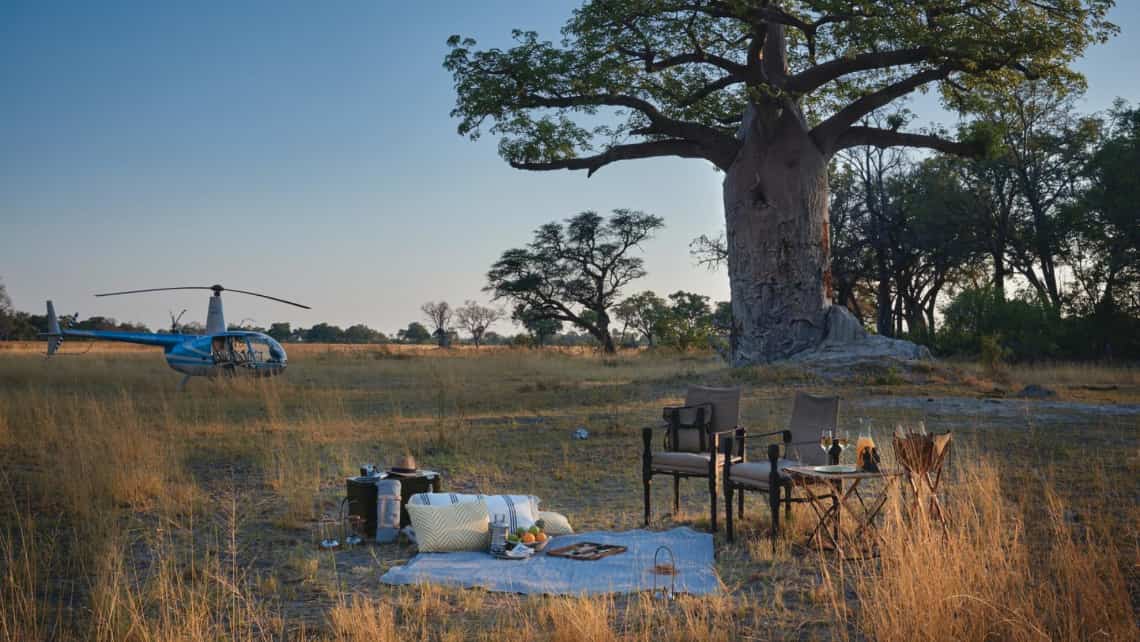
534	537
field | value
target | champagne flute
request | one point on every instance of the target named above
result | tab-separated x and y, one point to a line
841	437
841	434
825	440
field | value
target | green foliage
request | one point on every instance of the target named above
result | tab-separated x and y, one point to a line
1107	253
644	312
281	331
992	353
574	273
324	333
663	72
540	327
1026	328
361	333
688	322
414	333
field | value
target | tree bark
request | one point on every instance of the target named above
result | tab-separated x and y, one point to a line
601	332
776	214
883	321
999	271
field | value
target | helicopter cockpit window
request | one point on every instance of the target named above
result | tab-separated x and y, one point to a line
267	349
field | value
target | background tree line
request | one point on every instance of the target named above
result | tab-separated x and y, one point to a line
1032	249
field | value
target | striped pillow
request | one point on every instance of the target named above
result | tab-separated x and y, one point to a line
446	529
521	511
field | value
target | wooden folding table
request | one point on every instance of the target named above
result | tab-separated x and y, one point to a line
842	495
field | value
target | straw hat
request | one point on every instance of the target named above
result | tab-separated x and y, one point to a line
405	465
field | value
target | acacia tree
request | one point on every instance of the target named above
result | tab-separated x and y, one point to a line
765	90
439	314
476	319
575	273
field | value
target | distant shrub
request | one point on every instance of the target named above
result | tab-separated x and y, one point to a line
1019	329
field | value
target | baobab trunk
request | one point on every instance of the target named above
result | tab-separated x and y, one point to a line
776	217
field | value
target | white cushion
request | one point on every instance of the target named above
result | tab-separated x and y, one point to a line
521	511
446	529
556	523
758	473
690	463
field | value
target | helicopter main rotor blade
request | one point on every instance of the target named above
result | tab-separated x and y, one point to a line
271	298
186	287
216	288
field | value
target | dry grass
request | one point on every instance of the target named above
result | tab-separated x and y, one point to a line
133	512
1000	571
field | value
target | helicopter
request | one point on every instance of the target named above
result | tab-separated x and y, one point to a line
218	352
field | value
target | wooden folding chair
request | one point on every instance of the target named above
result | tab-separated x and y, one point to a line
693	447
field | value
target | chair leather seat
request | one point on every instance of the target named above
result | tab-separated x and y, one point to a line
758	473
687	463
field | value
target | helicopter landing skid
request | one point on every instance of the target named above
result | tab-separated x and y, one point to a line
182	384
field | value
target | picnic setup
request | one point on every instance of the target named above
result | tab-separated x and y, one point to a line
510	543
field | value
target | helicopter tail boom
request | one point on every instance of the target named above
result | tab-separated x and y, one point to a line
54	335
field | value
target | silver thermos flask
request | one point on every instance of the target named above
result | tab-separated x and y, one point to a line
387	510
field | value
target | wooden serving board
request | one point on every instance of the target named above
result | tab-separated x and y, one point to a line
587	551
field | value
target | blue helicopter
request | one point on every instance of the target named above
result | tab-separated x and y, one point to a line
217	352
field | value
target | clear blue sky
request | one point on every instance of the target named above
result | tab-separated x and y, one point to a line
303	150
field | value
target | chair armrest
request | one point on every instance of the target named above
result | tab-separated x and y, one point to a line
649	430
786	435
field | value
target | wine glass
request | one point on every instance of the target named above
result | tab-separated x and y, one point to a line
842	435
825	440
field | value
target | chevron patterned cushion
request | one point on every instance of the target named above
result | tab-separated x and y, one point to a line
445	529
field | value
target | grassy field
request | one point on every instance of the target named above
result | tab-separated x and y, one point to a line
132	511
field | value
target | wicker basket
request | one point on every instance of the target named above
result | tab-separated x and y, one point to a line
537	547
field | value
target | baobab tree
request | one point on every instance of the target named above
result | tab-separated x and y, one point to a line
768	91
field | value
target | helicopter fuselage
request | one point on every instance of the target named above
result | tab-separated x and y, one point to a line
209	355
217	352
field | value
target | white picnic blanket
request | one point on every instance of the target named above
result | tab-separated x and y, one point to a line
628	572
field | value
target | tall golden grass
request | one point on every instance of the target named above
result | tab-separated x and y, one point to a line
132	512
1001	570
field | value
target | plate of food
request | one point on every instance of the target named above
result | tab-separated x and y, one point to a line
534	537
837	469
